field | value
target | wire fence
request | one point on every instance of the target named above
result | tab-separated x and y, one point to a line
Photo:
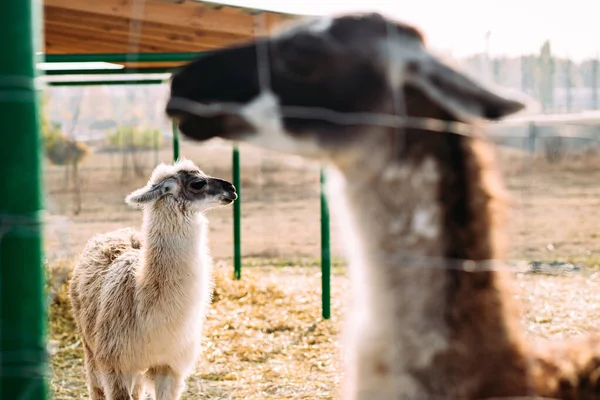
551	170
108	140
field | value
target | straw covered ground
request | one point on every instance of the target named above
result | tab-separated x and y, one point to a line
265	338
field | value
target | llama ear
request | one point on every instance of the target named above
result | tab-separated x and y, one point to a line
460	95
151	193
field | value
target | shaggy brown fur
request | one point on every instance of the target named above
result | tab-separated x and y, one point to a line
413	204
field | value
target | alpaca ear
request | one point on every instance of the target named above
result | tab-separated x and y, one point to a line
460	95
149	194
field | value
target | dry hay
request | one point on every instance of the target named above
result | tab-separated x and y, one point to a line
560	306
265	338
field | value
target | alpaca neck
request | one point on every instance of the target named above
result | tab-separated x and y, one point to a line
412	311
173	252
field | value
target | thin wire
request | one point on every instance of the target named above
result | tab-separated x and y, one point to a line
264	78
262	53
398	103
340	118
405	259
359	119
135	30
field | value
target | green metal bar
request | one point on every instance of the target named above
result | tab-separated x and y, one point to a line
109	82
122	57
175	141
123	71
237	216
325	253
23	361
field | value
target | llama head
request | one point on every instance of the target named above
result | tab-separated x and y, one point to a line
183	186
290	88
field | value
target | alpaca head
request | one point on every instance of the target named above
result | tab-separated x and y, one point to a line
286	92
182	187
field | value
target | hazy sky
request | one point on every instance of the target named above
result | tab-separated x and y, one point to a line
459	26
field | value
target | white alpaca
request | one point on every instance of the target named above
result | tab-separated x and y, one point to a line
140	299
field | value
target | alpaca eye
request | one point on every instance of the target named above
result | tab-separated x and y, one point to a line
198	185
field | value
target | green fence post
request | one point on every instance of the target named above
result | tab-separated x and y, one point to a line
237	216
22	310
325	253
175	142
122	57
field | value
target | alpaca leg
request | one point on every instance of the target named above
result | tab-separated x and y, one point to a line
118	385
169	384
137	391
93	379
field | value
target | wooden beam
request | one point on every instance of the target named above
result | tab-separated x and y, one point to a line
68	31
183	16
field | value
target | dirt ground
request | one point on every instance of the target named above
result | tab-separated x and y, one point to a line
265	338
553	211
279	194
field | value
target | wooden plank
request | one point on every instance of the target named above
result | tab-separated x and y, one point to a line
75	43
67	30
55	15
180	16
166	42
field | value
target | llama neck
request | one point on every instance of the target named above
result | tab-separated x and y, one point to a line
416	319
391	224
173	250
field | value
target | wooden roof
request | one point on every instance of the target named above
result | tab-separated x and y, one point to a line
149	26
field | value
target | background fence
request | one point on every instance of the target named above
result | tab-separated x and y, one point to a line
114	136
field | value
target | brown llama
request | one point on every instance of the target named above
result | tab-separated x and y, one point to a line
421	204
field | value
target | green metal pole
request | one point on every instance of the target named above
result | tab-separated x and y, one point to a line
121	57
237	216
114	82
121	71
22	311
325	253
175	142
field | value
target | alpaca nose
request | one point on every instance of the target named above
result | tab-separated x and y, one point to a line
229	189
232	191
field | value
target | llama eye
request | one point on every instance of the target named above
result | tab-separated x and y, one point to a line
198	185
302	56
